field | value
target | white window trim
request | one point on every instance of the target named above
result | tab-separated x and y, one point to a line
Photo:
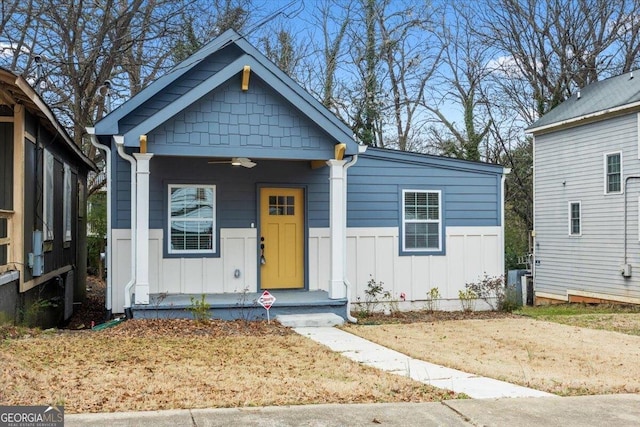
67	203
604	161
439	222
570	229
48	202
213	249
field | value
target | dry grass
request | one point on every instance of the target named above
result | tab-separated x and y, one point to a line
557	358
626	323
178	364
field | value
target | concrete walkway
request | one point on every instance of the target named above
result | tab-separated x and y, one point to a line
377	356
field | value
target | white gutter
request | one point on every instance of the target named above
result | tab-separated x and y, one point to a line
94	141
347	284
119	139
574	120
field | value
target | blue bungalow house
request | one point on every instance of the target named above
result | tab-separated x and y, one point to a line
226	178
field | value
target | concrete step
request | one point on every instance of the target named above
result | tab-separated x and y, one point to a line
310	320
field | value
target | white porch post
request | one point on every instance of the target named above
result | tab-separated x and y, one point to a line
142	227
337	223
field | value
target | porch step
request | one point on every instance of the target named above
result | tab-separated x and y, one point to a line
311	320
245	306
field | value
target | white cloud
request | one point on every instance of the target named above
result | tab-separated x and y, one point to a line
7	50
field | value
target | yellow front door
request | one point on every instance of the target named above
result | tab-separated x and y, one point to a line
282	238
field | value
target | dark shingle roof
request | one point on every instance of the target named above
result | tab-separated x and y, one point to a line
597	97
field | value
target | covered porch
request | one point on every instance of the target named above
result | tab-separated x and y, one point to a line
240	305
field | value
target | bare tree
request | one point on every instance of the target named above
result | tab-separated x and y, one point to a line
557	46
279	46
411	60
457	88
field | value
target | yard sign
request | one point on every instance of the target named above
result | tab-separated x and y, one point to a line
266	300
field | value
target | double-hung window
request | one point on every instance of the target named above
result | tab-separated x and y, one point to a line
422	221
575	219
613	173
192	219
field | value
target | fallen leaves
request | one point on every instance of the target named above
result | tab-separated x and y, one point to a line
170	364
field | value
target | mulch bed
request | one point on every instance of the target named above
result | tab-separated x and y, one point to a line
429	316
149	328
92	311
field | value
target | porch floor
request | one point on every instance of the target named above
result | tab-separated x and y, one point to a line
232	306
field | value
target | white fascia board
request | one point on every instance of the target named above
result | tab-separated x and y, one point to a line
576	120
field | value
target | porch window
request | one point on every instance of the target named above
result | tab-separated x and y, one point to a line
575	213
421	219
613	173
192	221
47	196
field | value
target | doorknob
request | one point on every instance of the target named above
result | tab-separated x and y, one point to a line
263	261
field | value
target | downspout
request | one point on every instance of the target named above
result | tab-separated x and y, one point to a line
119	139
347	284
505	172
94	141
626	181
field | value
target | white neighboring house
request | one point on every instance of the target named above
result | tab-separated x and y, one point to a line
586	195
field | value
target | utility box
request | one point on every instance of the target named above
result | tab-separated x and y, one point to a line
514	280
36	258
625	270
527	289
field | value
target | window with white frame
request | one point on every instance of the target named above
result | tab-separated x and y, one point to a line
47	196
613	173
575	219
67	202
421	219
192	220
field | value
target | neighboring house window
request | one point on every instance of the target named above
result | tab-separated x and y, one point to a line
67	202
192	221
575	219
422	220
47	196
613	173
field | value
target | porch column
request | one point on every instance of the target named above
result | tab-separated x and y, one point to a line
337	225
142	228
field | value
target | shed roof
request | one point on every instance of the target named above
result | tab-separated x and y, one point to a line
433	160
599	98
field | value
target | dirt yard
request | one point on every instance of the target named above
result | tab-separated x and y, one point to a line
561	359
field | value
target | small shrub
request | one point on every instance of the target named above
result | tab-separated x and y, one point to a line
37	312
247	307
492	290
467	299
374	295
510	302
433	300
156	302
199	308
391	304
